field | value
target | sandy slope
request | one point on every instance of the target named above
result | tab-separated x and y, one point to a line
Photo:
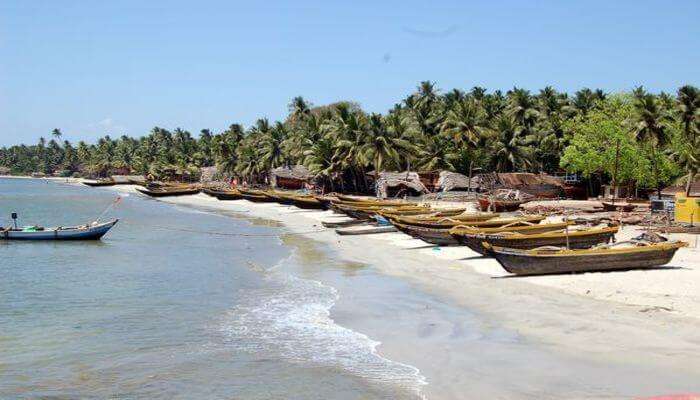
649	318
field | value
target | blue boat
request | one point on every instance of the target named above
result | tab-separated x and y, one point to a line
93	231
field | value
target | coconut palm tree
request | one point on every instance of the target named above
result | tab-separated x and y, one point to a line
689	115
465	122
651	128
508	149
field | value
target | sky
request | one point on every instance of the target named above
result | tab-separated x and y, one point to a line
122	67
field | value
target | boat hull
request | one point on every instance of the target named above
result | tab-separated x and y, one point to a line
94	232
576	240
438	237
168	193
520	262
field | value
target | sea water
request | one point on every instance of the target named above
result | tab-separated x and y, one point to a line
161	309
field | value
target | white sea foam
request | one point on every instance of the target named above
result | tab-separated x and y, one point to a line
290	318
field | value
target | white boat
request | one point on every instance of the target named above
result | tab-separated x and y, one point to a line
93	231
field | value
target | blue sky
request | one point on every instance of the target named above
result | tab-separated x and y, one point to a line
122	67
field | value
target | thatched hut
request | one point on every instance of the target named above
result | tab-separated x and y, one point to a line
292	178
398	184
449	181
129	179
538	185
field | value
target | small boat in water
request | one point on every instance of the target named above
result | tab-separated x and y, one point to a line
92	231
552	260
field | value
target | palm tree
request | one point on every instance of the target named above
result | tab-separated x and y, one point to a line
651	128
434	153
381	145
271	151
689	113
509	152
56	133
320	161
465	122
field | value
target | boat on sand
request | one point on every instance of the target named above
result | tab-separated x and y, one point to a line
553	260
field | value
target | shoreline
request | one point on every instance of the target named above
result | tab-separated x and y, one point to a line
564	322
559	320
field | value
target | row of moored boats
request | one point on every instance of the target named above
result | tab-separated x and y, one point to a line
523	245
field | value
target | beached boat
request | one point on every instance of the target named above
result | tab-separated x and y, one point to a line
432	212
168	191
418	219
279	197
308	203
326	200
525	229
371	201
368	211
231	194
626	207
436	236
371	230
99	182
447	223
604	258
574	239
255	195
92	231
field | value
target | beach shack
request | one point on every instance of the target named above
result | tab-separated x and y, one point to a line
399	184
453	181
292	178
687	205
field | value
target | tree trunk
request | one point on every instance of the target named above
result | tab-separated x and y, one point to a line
691	175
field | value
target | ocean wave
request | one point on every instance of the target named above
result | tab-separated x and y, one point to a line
290	319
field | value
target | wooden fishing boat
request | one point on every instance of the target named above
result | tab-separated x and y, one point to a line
92	231
498	205
326	200
99	182
625	207
525	229
371	201
436	236
366	231
432	212
308	203
231	194
575	239
169	191
418	219
549	260
447	223
279	197
367	212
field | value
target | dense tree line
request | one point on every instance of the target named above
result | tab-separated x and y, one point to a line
654	137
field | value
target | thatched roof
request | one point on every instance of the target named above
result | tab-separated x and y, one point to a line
454	181
298	172
519	179
409	180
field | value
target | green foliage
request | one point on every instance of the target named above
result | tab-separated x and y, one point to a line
658	137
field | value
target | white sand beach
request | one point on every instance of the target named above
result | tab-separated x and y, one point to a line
645	318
